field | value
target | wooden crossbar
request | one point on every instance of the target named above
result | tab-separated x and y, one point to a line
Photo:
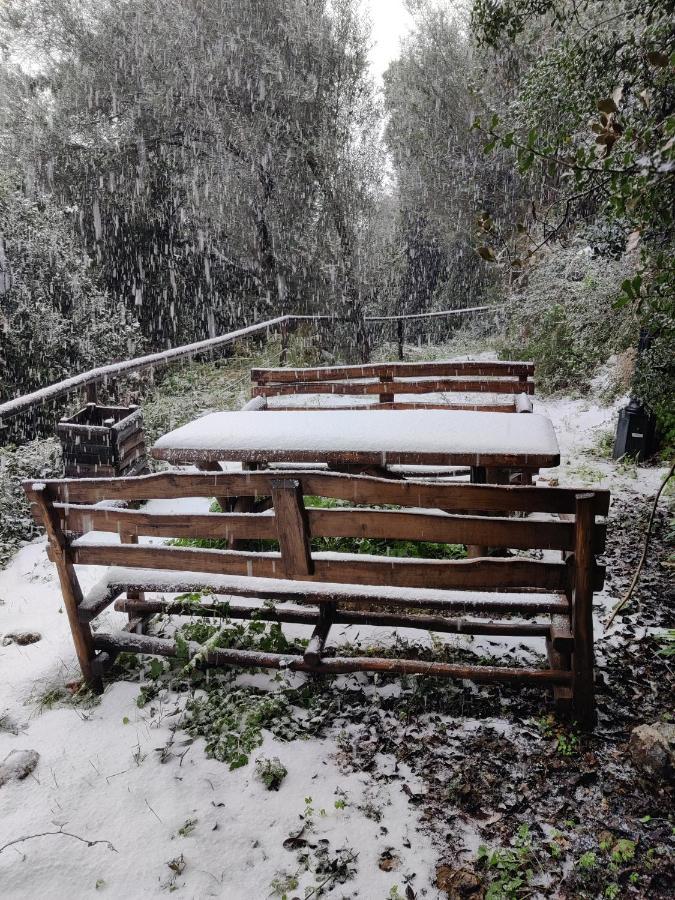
357	489
437	527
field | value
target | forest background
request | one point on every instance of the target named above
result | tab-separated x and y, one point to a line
171	169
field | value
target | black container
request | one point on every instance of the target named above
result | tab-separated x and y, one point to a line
634	432
101	441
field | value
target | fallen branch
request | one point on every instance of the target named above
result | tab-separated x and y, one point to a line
30	837
626	597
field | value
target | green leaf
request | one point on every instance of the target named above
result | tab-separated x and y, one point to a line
486	253
489	147
607	105
475	124
507	140
627	288
658	59
532	137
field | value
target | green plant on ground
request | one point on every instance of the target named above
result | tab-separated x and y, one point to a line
271	772
509	869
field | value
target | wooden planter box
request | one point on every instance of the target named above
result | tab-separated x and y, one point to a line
102	441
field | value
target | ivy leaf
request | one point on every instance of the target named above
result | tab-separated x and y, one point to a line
489	147
486	254
658	59
607	105
627	289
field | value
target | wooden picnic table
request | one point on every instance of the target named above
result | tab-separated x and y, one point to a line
362	440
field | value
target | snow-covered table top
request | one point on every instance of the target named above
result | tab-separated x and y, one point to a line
384	437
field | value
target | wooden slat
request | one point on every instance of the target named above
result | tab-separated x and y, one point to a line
514	460
220	657
437	528
390	388
532	604
506	575
468	407
361	489
382	524
78	520
448	368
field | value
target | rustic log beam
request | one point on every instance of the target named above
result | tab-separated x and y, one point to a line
335	665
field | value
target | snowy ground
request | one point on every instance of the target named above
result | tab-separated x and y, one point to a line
178	821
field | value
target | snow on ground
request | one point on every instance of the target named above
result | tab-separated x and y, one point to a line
100	774
100	777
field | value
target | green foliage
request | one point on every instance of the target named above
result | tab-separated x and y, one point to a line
35	459
563	318
588	119
55	318
667	640
232	722
510	870
271	772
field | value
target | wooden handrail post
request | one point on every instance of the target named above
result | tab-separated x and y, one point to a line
91	392
284	344
400	334
582	611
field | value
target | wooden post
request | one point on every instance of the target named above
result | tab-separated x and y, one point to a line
559	658
385	398
314	649
582	611
284	344
127	537
91	392
70	589
296	555
400	334
292	527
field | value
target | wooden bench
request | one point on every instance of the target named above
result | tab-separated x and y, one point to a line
384	381
547	598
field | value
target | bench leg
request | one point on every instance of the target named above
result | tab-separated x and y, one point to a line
559	659
582	613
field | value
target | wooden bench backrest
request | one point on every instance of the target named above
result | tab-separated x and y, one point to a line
479	515
386	380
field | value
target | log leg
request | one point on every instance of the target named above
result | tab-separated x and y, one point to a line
71	591
559	659
314	649
582	615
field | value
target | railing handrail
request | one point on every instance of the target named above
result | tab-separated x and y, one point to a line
17	405
428	315
69	385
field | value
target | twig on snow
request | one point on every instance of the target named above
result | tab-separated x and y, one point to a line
30	837
626	597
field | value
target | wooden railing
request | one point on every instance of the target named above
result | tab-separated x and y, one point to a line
90	380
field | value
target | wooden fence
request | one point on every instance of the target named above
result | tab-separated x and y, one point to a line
89	381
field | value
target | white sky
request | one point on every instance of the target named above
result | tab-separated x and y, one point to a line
390	23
